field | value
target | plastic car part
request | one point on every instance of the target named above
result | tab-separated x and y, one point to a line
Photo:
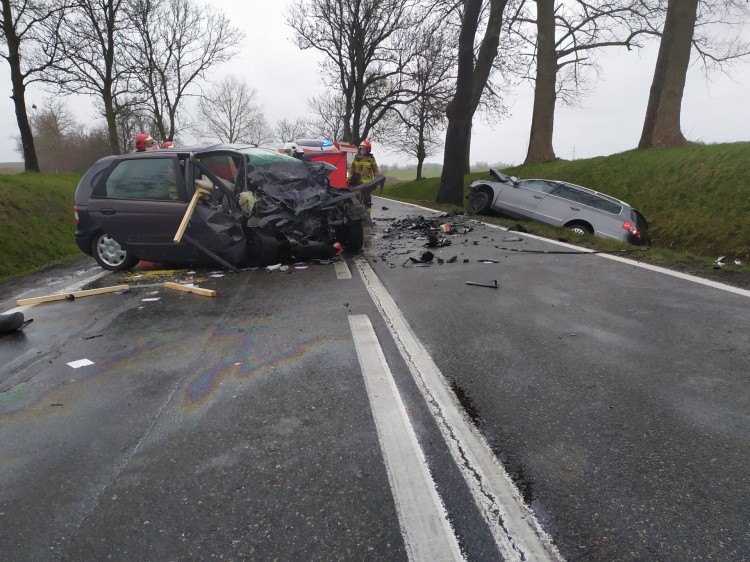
110	255
11	322
479	202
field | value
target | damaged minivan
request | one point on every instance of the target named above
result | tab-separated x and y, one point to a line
233	205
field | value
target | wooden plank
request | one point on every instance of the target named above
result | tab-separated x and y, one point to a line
190	289
73	295
200	191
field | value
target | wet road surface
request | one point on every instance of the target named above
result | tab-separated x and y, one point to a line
245	426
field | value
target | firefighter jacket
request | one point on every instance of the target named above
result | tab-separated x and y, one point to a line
365	166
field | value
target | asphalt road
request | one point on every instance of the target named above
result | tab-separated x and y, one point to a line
379	408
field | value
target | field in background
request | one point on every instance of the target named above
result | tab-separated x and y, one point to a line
11	167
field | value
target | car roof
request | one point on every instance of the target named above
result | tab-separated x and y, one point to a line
586	189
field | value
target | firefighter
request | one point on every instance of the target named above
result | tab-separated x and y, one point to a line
143	142
167	144
364	169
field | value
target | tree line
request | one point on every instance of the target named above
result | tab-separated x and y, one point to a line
410	73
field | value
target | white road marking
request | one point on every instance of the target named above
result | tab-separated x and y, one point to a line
517	533
342	270
656	268
424	524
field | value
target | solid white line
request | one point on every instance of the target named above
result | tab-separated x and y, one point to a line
424	524
517	533
655	268
342	270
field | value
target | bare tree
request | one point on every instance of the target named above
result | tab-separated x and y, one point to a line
366	45
286	130
95	61
175	44
661	126
64	145
29	33
329	110
568	35
228	112
416	127
474	70
51	124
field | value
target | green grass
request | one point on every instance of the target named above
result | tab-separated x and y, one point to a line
36	221
696	198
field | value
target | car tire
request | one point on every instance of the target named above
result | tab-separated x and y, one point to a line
580	228
110	255
352	236
479	202
262	248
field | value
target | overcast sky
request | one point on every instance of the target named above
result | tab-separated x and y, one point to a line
608	121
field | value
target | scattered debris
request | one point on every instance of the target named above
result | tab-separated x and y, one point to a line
488	261
151	299
71	296
190	289
722	261
492	285
454	259
513	239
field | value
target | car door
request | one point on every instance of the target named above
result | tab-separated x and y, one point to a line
564	204
140	202
522	198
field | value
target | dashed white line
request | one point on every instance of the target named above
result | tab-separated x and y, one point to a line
517	533
424	524
342	270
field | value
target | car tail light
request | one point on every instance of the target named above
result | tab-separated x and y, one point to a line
75	213
632	228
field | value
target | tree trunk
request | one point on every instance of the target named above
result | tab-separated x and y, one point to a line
31	164
470	83
110	116
661	126
543	117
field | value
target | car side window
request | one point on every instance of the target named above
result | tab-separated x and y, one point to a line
573	194
538	185
152	178
605	205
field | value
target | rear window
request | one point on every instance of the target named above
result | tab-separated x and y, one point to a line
152	178
605	205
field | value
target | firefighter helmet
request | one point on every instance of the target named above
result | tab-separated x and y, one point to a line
367	145
143	141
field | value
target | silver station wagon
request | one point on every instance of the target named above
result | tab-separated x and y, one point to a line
559	203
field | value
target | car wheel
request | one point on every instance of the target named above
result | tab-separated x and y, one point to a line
580	228
262	248
479	203
352	236
110	255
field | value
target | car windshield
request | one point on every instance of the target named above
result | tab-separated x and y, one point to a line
298	185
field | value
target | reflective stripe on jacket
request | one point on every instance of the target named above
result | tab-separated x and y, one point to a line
366	166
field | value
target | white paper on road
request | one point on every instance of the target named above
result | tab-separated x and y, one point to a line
80	363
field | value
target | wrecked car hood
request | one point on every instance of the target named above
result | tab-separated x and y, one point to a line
298	185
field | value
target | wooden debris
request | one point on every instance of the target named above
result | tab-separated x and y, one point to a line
201	190
73	295
190	289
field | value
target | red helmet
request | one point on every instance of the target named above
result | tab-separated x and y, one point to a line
143	141
167	144
367	145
